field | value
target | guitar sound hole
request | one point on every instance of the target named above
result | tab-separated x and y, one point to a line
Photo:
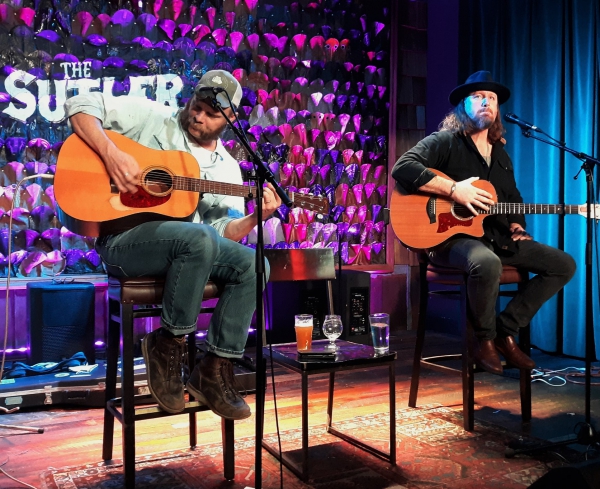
461	212
158	182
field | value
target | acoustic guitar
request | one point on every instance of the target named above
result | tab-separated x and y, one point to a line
169	188
423	220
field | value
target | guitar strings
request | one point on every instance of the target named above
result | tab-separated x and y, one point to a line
192	184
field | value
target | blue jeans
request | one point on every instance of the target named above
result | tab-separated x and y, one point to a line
188	255
553	269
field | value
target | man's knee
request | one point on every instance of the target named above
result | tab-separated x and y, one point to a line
565	266
204	240
487	265
246	260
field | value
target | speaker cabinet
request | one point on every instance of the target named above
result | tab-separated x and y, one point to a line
61	321
352	300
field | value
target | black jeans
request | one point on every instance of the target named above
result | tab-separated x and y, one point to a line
553	269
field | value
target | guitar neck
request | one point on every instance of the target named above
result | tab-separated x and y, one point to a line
306	201
511	208
210	186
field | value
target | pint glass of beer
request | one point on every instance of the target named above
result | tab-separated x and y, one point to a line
304	328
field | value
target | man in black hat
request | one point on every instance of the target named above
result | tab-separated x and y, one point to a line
469	146
187	254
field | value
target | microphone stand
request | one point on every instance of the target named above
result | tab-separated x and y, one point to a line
261	174
587	434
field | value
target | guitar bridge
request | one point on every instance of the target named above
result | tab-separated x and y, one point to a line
113	188
431	209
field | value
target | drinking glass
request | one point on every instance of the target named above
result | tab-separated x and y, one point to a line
380	331
304	327
332	329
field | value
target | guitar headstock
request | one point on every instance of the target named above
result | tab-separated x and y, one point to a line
316	203
595	211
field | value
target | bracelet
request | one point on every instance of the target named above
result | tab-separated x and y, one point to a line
452	189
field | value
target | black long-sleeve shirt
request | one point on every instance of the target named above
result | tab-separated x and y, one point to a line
457	156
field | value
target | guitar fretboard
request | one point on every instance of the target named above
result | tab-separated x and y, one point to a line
209	186
306	201
512	208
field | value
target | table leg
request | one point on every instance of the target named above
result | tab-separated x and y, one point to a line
304	426
330	400
392	413
388	457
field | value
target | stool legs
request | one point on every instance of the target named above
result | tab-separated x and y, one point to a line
125	303
468	380
525	375
191	363
416	370
228	454
392	375
467	363
128	403
112	358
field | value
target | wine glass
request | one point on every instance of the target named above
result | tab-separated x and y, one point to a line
332	329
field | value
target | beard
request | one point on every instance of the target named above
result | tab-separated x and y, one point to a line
483	120
201	134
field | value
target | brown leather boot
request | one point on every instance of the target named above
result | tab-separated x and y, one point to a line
486	357
164	356
509	349
213	383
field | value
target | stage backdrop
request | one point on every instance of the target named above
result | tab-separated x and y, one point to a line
315	107
548	53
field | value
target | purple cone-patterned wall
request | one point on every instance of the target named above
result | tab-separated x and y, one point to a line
315	107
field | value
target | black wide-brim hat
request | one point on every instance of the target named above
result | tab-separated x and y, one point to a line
481	80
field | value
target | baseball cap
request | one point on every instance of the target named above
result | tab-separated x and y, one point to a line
220	79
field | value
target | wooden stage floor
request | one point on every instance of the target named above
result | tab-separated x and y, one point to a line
73	436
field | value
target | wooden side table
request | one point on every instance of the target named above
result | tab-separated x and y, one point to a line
350	356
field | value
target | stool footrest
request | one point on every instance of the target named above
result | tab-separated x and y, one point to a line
152	411
430	363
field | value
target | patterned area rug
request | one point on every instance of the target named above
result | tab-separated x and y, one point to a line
433	451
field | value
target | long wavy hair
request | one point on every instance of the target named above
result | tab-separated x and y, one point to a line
457	121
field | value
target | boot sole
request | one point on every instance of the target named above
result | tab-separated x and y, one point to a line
201	398
147	362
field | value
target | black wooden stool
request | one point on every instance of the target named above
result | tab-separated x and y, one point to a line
124	294
433	274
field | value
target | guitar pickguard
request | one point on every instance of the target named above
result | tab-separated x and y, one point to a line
141	199
447	221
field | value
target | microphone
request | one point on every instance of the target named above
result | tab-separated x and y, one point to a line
209	90
211	94
514	119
